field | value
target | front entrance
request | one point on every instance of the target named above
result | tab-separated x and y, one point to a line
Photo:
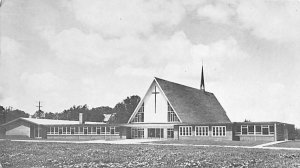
137	133
155	133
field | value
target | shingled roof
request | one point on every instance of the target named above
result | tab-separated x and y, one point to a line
193	105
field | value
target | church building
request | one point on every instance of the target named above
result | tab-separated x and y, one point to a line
170	110
173	111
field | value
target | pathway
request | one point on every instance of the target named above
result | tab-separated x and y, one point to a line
268	144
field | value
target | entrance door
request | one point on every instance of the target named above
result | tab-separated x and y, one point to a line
155	133
137	133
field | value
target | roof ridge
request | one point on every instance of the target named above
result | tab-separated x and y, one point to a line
181	85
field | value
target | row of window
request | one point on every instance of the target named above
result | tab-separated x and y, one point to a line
152	133
256	129
202	131
83	130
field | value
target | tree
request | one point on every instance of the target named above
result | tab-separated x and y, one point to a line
13	114
73	113
2	115
50	115
125	109
39	114
121	114
94	114
97	114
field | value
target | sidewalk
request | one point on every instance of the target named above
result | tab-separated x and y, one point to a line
268	144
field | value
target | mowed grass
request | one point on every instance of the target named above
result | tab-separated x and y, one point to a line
288	144
213	142
52	155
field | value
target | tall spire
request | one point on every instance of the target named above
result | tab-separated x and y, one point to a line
202	85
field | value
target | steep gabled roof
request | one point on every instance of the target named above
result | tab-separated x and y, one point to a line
193	105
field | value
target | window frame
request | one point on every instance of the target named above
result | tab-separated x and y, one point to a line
170	132
60	130
219	131
201	131
140	115
185	130
172	116
72	130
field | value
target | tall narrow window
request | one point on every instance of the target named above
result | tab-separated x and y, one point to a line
72	130
265	129
139	116
172	117
244	129
271	129
258	129
102	130
52	130
64	130
250	129
85	130
80	130
107	130
93	130
112	130
68	130
98	130
60	130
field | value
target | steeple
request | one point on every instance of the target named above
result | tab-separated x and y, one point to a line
202	85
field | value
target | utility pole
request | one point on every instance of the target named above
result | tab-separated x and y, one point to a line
39	106
40	113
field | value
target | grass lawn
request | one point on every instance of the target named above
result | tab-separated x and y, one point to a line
289	144
48	155
212	142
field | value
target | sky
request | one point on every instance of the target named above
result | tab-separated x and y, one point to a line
96	52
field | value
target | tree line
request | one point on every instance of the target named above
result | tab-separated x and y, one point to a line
121	112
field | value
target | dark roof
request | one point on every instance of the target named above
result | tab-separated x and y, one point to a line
193	105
